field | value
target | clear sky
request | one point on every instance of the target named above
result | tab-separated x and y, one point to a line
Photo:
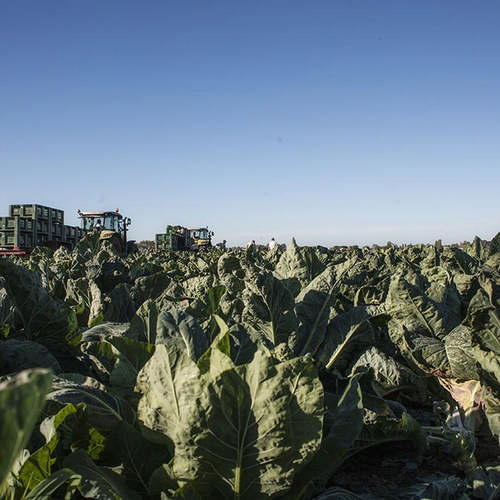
333	121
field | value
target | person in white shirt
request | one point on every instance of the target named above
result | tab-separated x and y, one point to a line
272	244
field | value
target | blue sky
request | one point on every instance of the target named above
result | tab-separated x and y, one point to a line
331	121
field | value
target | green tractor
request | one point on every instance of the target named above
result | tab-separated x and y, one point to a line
184	238
111	226
201	238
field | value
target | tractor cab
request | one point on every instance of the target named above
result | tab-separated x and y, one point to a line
111	226
201	237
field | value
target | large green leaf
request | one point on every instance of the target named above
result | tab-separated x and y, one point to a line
38	466
119	359
235	342
346	333
182	329
342	426
98	482
206	306
18	354
104	410
388	375
150	287
345	422
131	355
270	310
313	305
118	304
41	314
231	273
484	319
488	365
494	245
209	303
116	358
170	384
412	311
492	410
143	324
443	292
46	489
298	266
477	248
107	269
86	299
458	344
126	447
21	400
240	431
427	353
458	261
9	318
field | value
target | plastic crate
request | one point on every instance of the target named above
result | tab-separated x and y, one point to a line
4	223
42	227
11	240
56	216
4	238
16	239
165	241
70	231
25	240
16	210
22	211
16	224
26	224
33	211
56	230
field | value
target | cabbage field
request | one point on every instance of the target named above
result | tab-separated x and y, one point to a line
297	373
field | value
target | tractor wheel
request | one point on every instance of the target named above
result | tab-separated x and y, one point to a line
117	243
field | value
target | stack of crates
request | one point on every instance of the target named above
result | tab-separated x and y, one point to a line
31	225
16	232
48	223
72	234
171	239
162	241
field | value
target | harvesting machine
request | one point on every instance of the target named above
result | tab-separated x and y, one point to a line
111	226
184	238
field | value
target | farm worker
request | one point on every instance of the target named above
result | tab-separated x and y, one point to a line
251	244
272	244
222	245
98	225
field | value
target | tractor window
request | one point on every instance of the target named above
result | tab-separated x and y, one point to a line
111	223
88	223
200	234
